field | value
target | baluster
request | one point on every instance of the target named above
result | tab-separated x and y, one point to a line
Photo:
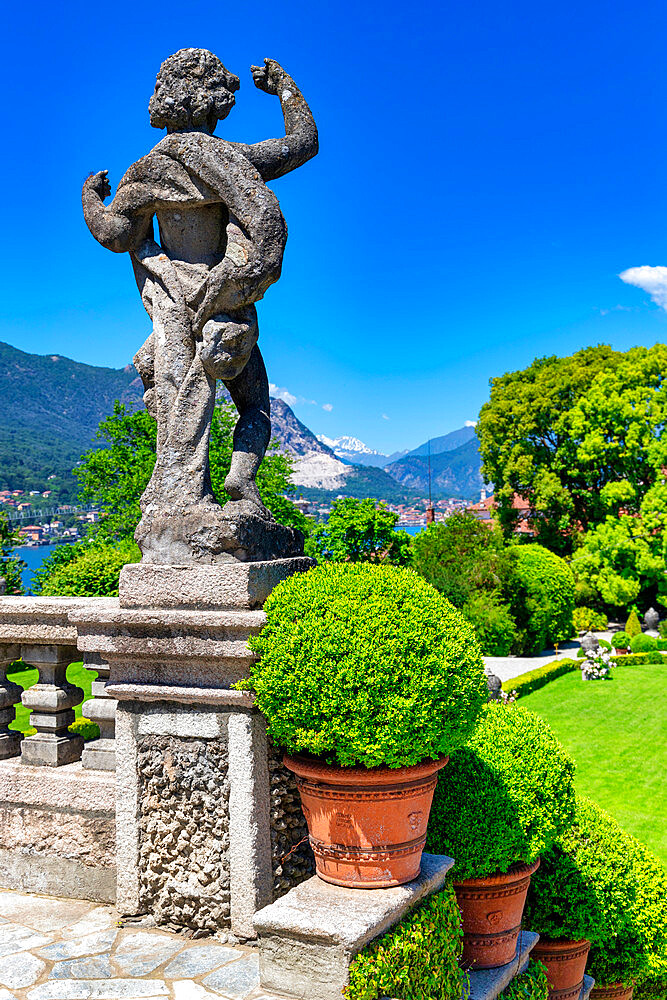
100	755
51	702
10	695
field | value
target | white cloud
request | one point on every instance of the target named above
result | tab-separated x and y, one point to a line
327	406
471	423
278	393
385	417
651	279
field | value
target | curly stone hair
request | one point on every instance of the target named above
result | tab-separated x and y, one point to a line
193	90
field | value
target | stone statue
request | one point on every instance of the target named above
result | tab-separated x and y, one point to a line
652	621
590	643
219	246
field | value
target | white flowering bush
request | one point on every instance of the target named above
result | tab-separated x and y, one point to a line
596	665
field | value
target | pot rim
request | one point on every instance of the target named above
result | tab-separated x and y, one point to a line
561	944
516	872
314	768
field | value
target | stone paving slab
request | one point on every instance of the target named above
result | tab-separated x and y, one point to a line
64	949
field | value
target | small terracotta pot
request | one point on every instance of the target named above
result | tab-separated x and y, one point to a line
565	961
621	652
614	992
367	826
491	912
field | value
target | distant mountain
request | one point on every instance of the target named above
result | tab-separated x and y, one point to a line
50	408
352	450
448	442
454	473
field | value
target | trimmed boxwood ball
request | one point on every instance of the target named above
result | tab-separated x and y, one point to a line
541	595
643	643
366	664
598	882
620	640
504	797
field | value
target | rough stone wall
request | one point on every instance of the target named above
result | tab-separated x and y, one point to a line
184	812
90	840
288	828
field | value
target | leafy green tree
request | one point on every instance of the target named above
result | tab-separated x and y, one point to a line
580	438
115	477
360	531
540	592
10	565
461	557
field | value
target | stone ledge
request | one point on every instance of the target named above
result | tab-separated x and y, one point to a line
308	938
42	620
66	789
50	875
183	695
226	585
589	983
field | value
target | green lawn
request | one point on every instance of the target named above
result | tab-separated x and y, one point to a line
617	733
26	678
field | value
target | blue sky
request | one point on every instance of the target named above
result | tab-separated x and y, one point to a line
486	172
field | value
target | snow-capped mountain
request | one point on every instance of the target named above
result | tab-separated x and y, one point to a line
352	450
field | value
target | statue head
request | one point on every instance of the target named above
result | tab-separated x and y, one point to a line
193	91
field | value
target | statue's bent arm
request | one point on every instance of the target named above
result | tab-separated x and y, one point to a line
275	157
115	230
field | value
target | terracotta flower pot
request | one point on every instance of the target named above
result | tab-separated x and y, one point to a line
491	912
614	992
367	826
621	652
565	961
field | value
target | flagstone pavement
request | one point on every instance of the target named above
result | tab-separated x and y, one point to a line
69	949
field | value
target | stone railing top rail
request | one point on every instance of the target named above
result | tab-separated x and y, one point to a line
42	620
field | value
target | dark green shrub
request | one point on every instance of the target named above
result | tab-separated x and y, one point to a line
86	728
654	657
504	797
662	630
541	597
530	985
367	665
661	644
587	620
416	960
493	624
642	643
599	882
532	680
632	626
92	570
620	640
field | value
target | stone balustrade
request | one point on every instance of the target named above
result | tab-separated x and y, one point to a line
38	631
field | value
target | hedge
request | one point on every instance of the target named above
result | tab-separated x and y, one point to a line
530	985
532	680
504	797
418	959
598	882
366	664
540	589
642	643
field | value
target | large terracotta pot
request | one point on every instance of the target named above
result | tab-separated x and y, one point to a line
614	992
491	912
367	826
565	961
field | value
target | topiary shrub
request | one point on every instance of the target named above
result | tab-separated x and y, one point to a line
632	626
504	797
587	620
655	657
530	985
86	728
621	640
642	643
598	882
92	572
366	664
540	590
417	960
493	624
532	680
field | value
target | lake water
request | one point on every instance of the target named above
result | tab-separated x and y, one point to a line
33	556
412	529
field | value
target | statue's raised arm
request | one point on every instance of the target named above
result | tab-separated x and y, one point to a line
275	157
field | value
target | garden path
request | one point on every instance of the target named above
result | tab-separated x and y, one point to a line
70	949
507	667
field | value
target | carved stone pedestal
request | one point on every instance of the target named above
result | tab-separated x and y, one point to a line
192	761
